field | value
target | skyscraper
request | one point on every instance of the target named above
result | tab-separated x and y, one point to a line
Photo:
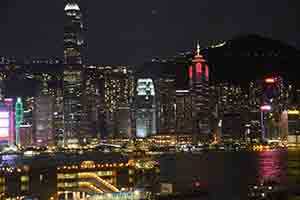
166	88
231	108
274	95
118	93
73	33
199	88
145	108
43	124
19	116
73	70
183	110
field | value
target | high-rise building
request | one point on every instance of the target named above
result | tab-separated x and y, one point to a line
108	98
183	110
274	96
73	33
92	101
73	84
43	123
26	136
72	98
231	109
166	88
19	117
268	102
199	88
291	119
145	108
118	97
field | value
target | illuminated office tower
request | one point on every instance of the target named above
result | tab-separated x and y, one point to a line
19	117
26	136
231	108
73	108
73	71
167	105
125	94
199	88
50	86
43	120
58	116
273	96
291	120
92	101
183	110
118	87
73	33
145	108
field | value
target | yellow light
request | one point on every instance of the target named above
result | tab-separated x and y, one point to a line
293	112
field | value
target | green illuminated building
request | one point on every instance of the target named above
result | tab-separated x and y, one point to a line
19	116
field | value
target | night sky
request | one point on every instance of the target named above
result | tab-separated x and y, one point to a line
130	32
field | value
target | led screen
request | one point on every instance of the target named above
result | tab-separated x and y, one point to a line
4	114
4	123
4	132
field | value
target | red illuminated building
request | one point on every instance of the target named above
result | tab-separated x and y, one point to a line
199	87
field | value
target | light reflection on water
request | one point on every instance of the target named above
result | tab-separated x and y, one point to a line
9	160
227	174
271	166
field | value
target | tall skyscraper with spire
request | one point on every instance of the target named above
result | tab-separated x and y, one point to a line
74	42
199	88
73	71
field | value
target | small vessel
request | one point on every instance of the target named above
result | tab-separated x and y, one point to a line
268	189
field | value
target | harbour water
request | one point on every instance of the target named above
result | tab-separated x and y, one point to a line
225	175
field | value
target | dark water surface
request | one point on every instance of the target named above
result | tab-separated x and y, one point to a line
226	175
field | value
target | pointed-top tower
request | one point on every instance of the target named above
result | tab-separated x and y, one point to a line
73	86
73	33
199	88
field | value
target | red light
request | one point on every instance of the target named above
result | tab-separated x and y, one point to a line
206	72
199	69
197	184
270	80
265	108
191	72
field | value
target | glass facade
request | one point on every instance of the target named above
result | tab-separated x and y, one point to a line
199	88
73	71
145	108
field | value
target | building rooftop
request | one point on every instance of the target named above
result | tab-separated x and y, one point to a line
72	6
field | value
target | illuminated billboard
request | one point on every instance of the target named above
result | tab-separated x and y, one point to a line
4	124
4	114
4	132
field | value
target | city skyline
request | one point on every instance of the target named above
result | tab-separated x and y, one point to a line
151	28
149	100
